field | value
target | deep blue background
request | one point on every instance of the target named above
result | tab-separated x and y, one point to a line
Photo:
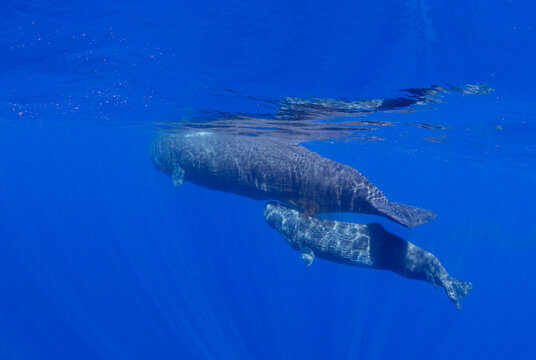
102	258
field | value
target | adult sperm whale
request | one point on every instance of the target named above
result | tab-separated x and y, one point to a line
361	245
267	169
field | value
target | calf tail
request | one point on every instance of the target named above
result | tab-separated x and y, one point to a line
456	289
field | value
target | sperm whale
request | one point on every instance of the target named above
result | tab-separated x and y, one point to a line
369	246
268	169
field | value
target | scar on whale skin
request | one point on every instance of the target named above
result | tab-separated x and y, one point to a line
271	169
369	246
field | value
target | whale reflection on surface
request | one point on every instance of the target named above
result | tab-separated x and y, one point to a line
298	120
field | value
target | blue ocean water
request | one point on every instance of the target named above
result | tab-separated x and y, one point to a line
101	257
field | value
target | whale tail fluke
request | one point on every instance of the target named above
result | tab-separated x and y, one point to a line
456	289
409	216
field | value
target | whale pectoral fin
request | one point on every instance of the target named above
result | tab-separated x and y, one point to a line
307	255
177	176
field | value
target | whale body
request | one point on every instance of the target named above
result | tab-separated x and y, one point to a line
369	246
267	169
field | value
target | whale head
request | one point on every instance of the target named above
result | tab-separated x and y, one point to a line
161	154
283	219
273	214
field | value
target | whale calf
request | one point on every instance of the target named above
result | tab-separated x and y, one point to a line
267	169
361	245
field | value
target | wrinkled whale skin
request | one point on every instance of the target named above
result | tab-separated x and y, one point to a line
369	246
268	169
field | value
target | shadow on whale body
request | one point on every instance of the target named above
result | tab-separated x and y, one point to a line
265	168
361	245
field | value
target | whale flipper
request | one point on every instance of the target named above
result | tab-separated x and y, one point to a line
177	176
307	255
409	216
